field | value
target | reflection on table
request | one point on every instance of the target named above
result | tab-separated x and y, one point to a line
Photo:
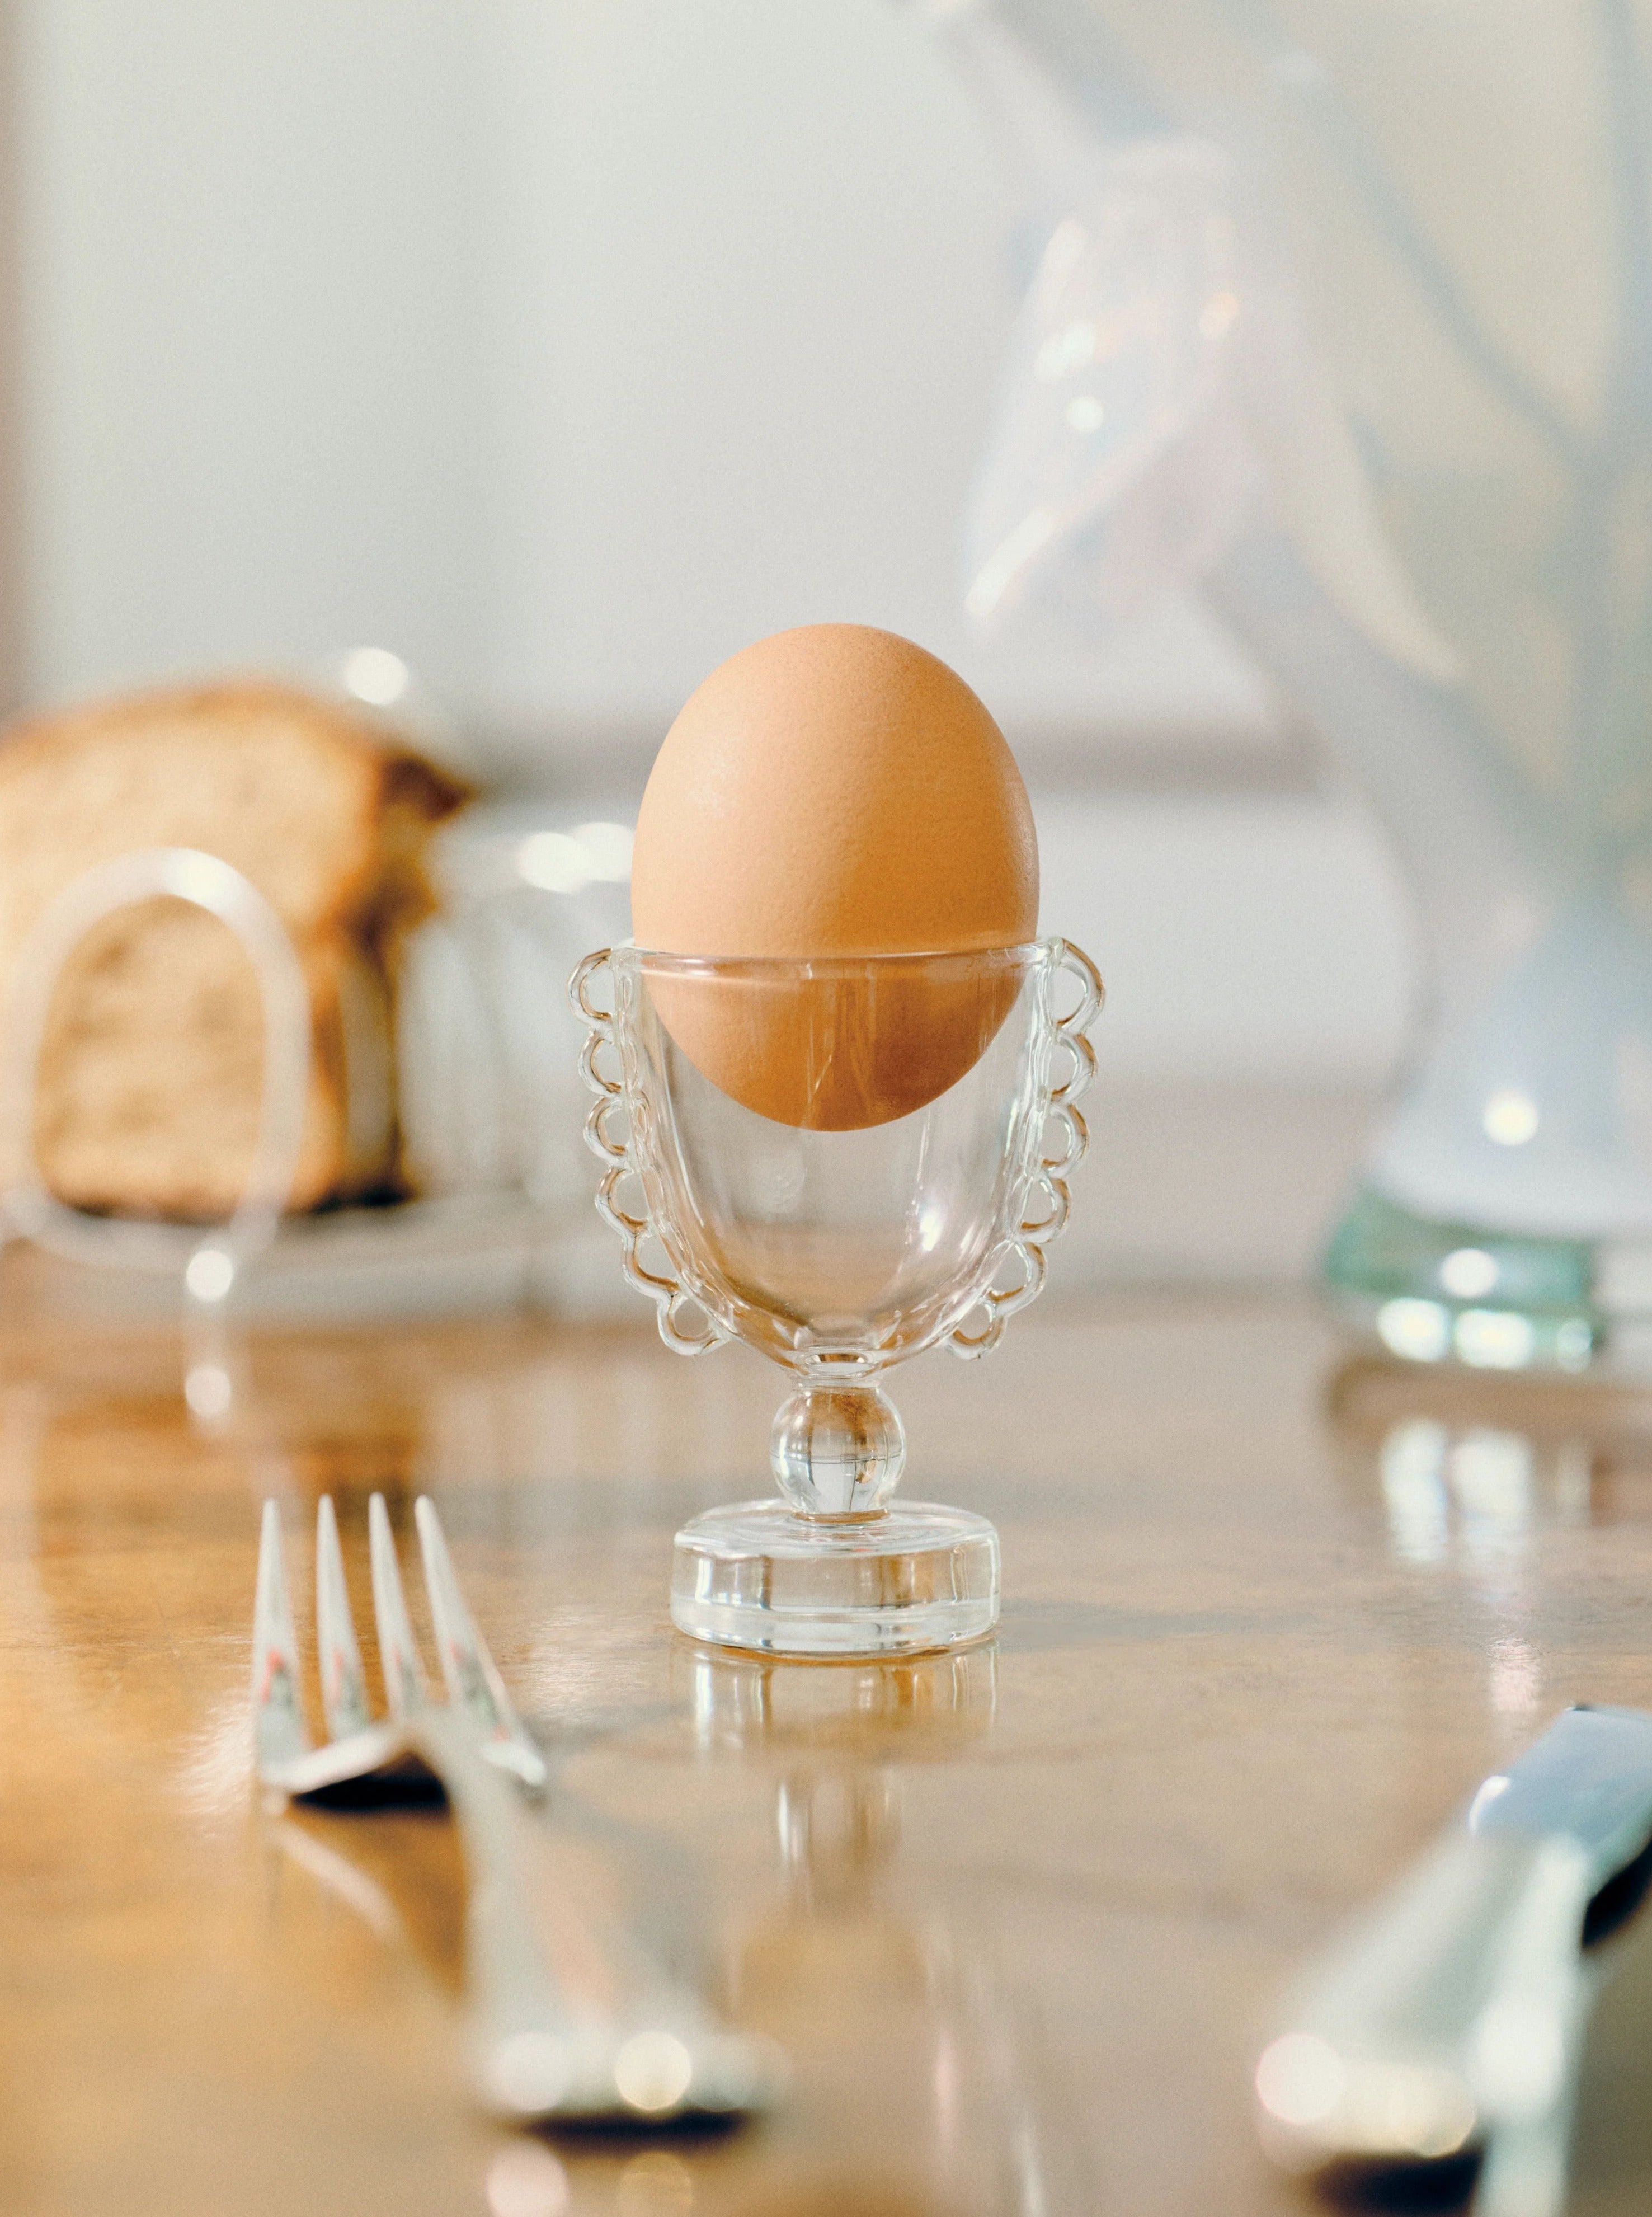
1019	1915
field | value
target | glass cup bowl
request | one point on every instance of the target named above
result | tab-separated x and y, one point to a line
909	1206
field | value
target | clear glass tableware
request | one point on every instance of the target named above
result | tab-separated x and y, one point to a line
208	1259
478	1068
1343	318
838	1252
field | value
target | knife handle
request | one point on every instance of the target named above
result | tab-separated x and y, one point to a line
1442	2012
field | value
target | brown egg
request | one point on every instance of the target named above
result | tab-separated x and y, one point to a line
831	792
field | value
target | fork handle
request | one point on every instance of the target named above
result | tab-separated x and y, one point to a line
537	2052
514	1993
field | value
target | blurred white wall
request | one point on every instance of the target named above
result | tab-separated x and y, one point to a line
565	345
1258	937
249	309
752	268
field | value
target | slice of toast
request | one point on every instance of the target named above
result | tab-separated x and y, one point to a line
149	1079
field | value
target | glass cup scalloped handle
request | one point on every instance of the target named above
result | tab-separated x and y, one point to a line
669	1295
1048	1184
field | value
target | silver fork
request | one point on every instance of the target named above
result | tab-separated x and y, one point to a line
611	2038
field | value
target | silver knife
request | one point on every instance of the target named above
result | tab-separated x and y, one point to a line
1447	2018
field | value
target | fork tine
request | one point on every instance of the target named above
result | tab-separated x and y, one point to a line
473	1680
344	1683
405	1685
278	1734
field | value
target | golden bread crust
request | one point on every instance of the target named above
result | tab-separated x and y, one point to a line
151	1067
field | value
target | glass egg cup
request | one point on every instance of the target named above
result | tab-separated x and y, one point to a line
838	1252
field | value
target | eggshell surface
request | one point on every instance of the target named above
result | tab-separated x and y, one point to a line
834	792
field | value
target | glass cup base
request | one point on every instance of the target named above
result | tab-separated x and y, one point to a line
1468	1294
759	1576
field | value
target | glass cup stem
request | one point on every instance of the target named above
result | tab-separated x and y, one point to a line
838	1452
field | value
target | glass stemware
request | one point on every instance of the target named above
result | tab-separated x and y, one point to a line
837	1252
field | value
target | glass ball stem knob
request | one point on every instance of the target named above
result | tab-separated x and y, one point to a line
837	1451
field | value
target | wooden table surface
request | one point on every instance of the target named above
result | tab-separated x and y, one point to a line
1017	1915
